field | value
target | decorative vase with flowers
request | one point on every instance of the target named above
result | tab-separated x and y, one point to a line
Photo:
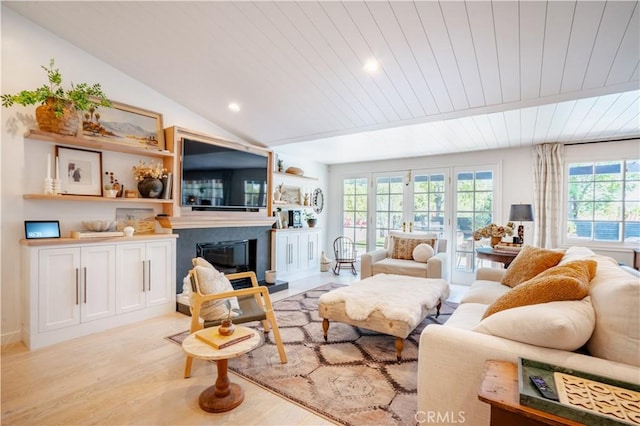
148	177
493	231
58	110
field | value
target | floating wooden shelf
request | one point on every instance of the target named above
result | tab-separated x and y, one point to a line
94	198
107	145
290	175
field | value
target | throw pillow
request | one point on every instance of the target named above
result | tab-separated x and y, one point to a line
566	282
565	325
212	281
422	253
529	263
199	261
403	247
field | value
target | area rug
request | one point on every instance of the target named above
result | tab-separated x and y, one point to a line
353	379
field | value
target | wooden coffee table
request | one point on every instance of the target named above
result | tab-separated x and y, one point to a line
224	395
487	253
499	389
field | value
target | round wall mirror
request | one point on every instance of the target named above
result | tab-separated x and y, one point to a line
318	200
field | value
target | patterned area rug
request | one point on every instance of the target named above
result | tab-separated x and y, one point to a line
353	379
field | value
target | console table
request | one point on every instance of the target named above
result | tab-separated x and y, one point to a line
499	388
487	253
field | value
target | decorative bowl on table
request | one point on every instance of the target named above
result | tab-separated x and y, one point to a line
99	225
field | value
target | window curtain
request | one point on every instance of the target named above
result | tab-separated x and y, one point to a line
547	188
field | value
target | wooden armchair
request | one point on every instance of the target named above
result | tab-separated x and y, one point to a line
254	302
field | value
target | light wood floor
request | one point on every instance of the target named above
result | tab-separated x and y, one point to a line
132	375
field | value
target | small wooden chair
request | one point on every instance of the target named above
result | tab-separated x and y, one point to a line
345	253
254	302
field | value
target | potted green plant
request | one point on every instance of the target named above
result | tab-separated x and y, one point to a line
58	110
311	219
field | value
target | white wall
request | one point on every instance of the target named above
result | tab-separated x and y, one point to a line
25	47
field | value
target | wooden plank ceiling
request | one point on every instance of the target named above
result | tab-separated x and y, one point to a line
454	76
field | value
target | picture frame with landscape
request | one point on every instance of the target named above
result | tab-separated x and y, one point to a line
124	124
79	171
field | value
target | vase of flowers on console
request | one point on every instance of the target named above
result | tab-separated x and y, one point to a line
149	178
493	231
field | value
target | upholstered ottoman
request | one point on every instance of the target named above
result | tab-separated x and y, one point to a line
388	304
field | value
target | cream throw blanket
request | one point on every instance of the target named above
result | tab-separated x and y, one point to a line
397	297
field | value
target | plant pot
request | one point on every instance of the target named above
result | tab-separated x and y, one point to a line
111	193
495	240
150	187
47	121
312	222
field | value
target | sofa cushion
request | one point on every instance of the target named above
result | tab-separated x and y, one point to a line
615	295
529	263
393	235
565	325
566	282
466	316
576	253
403	247
486	292
423	252
400	267
212	281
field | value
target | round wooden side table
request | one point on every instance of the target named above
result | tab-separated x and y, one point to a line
224	395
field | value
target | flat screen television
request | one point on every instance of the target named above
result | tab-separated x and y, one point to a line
220	177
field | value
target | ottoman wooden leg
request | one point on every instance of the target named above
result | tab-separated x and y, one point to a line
399	347
325	328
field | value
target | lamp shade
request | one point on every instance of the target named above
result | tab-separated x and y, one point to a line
521	213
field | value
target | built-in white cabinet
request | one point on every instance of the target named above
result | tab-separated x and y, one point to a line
74	288
143	275
295	251
77	284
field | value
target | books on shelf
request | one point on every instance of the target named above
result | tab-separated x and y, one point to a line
212	337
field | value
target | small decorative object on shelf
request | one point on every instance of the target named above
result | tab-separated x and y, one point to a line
112	188
295	171
280	166
277	194
58	110
311	219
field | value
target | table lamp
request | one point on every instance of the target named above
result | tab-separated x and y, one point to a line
521	213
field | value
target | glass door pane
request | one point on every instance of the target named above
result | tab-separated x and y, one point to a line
474	209
389	205
354	224
429	197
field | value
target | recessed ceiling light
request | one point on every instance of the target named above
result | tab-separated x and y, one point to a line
371	66
234	106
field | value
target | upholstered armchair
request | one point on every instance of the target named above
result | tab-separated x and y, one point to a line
254	304
405	253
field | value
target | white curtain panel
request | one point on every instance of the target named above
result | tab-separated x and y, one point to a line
547	188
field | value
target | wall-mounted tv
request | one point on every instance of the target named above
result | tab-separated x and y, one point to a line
221	177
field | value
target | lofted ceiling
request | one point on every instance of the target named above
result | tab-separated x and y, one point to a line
453	76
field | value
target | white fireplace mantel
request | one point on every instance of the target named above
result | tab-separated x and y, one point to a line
217	221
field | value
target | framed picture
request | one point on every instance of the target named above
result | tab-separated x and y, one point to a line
125	124
142	220
80	171
291	194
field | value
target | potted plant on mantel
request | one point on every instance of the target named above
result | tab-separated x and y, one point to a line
58	110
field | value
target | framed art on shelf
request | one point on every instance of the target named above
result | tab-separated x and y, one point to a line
79	171
125	124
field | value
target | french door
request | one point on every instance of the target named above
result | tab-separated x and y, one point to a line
409	201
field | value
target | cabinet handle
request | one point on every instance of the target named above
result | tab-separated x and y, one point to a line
77	286
149	273
85	285
310	251
144	276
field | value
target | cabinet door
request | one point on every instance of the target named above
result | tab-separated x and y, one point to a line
131	279
287	253
310	250
58	288
98	277
159	273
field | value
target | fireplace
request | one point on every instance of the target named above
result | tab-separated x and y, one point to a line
230	257
259	244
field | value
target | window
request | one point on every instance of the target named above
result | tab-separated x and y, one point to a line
603	201
354	204
389	205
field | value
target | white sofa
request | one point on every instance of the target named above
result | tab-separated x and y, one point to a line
381	261
452	356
